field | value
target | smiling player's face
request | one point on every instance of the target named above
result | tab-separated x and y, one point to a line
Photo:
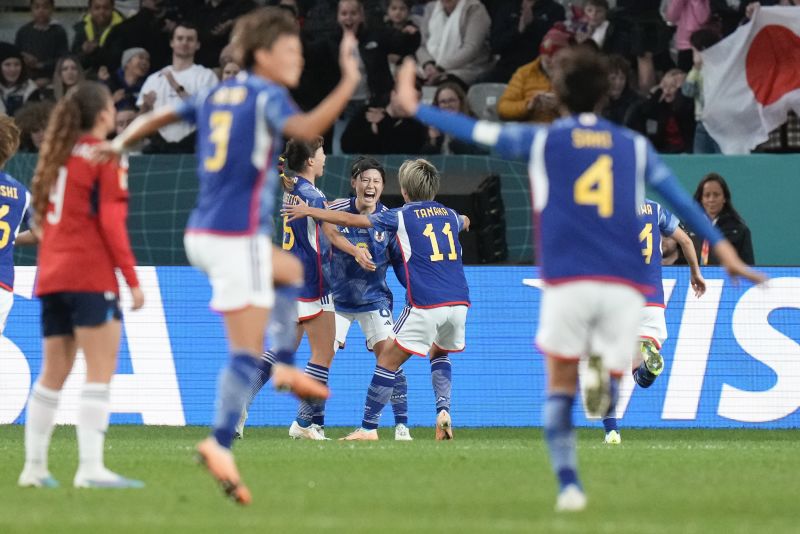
368	187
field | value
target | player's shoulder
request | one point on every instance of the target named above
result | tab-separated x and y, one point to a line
341	204
8	180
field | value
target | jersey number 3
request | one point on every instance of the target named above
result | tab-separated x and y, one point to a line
220	123
595	187
437	255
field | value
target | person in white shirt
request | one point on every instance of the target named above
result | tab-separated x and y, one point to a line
175	83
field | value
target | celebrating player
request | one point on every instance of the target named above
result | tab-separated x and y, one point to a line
81	208
588	179
239	126
14	210
655	221
435	315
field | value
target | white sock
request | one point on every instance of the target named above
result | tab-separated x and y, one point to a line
93	413
39	423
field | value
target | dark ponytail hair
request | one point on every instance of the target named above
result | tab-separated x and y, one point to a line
75	113
295	158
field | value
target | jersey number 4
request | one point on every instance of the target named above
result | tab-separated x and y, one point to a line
437	255
646	236
595	187
220	123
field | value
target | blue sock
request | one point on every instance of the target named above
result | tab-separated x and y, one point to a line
282	328
313	412
643	376
400	398
378	395
232	392
263	372
560	436
442	379
610	420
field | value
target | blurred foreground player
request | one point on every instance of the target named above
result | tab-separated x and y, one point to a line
240	124
588	178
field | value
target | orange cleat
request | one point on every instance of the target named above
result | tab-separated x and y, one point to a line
361	434
289	378
444	426
219	462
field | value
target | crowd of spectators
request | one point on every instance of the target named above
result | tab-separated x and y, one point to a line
168	50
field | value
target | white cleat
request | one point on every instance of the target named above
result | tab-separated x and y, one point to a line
444	426
596	388
103	478
321	431
298	432
571	499
34	478
613	438
402	433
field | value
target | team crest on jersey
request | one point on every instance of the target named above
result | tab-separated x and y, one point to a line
379	237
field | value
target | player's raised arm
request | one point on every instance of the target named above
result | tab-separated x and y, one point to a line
143	126
339	218
511	141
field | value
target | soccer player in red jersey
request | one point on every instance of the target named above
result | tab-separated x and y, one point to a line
80	209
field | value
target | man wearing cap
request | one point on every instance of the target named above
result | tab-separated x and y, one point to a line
529	96
126	83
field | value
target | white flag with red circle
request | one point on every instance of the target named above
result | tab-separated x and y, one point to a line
751	79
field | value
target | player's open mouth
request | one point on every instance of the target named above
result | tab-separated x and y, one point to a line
369	196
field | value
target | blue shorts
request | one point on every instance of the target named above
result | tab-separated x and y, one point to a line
63	312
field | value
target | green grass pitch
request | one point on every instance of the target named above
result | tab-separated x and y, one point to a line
486	480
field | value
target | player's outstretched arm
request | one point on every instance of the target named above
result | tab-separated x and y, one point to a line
307	126
26	239
698	282
141	127
361	255
339	218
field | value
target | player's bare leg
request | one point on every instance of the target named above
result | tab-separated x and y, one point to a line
441	378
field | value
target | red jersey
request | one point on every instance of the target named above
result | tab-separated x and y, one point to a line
85	234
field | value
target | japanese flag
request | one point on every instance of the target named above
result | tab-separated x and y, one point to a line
751	79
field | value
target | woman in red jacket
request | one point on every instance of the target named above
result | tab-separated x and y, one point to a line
81	209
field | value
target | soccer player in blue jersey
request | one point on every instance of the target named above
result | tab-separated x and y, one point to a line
437	295
15	201
655	221
588	177
240	125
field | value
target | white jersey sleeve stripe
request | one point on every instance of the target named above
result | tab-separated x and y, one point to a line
538	171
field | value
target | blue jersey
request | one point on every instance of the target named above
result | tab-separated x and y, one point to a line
357	290
239	134
304	239
14	203
656	220
427	233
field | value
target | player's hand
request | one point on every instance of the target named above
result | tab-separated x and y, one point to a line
103	152
465	219
348	61
734	265
364	259
138	298
698	284
292	212
406	96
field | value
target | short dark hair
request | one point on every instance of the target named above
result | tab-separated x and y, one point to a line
598	3
703	38
366	163
580	79
186	25
260	29
51	2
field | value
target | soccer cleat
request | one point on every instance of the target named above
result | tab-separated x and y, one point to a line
104	479
361	434
29	478
298	432
321	431
613	438
596	390
444	426
402	433
652	358
289	378
571	499
219	462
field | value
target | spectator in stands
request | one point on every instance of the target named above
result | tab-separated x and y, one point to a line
529	96
714	195
150	29
229	70
15	86
376	130
126	83
214	20
68	74
32	120
171	85
397	20
450	97
621	97
688	16
91	35
455	42
666	117
783	139
693	88
41	41
649	35
518	27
